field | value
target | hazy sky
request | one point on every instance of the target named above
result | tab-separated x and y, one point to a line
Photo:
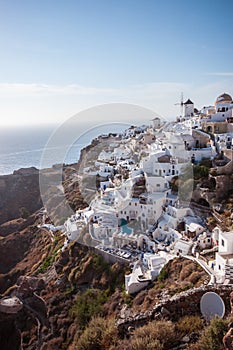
58	57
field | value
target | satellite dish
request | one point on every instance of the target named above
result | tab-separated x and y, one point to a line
212	305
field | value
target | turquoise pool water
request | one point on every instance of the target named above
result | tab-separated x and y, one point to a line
126	229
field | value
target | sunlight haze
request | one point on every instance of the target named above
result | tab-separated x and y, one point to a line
59	58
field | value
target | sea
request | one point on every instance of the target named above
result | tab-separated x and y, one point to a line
25	146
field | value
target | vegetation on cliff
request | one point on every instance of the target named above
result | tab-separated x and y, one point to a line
84	295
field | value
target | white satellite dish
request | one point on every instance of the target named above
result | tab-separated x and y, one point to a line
212	305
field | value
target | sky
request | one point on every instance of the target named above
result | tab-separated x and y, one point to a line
59	57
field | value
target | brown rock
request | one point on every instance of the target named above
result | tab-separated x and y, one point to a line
228	340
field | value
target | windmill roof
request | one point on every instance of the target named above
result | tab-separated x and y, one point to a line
188	102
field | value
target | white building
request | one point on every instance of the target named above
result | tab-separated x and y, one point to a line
135	281
161	164
166	234
201	153
156	184
188	108
193	229
223	109
208	110
145	243
182	246
204	241
175	145
194	122
73	227
224	141
223	103
224	256
154	263
156	123
173	215
103	225
145	271
215	235
146	209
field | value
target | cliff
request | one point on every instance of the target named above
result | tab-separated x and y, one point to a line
66	292
19	194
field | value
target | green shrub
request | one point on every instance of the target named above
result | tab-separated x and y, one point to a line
128	298
212	337
49	260
88	305
46	263
206	162
200	171
163	274
99	264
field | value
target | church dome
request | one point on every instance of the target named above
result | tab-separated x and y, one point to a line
224	98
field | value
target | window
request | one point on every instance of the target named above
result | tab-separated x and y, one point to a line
135	204
129	203
223	243
219	267
158	185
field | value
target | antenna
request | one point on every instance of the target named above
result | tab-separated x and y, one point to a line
212	305
181	103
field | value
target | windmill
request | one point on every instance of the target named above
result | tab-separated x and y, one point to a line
181	103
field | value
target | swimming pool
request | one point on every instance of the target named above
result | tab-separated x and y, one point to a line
126	229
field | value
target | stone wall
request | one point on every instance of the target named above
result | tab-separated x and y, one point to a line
110	258
184	303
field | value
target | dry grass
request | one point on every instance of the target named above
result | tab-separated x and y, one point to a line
189	324
100	334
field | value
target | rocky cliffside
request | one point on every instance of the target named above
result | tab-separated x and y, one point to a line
62	289
19	194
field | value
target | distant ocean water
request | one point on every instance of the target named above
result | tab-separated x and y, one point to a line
22	147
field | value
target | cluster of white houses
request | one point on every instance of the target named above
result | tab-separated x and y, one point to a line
135	215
